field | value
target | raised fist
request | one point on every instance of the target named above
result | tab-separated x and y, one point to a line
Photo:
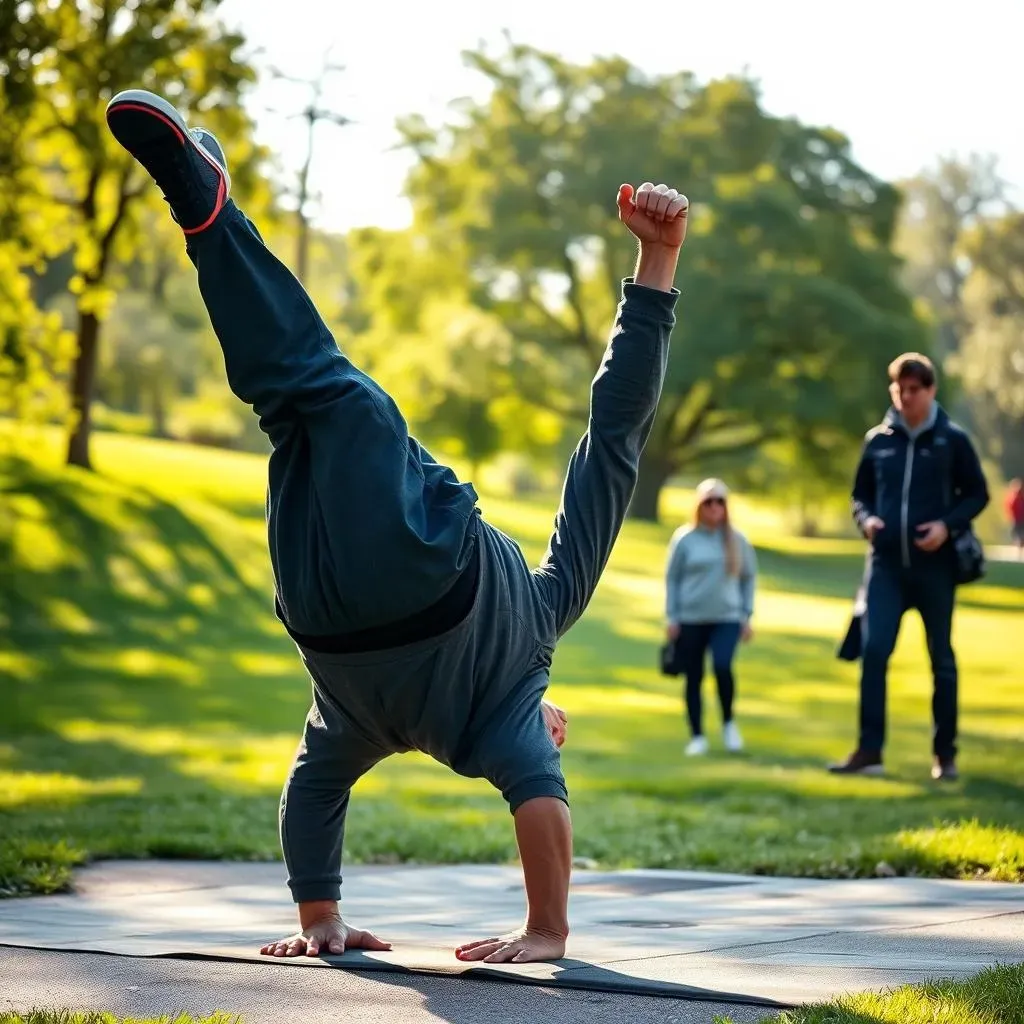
656	214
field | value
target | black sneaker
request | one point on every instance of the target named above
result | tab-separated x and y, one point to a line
187	164
945	771
859	762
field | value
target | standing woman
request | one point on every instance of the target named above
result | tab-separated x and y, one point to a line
709	604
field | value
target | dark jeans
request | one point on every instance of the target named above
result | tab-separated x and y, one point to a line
892	591
693	644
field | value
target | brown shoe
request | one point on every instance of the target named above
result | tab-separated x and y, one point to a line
860	762
945	771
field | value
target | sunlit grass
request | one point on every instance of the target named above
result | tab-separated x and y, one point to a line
150	703
63	1016
996	996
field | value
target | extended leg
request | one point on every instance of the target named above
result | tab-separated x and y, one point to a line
354	503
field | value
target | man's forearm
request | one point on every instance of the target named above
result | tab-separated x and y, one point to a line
656	267
544	835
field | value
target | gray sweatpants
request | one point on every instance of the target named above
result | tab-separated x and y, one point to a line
366	528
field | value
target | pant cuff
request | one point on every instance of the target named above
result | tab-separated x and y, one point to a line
316	890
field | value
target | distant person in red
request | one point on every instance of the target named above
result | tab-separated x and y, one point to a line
1015	513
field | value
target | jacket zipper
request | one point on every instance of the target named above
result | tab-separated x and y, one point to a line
908	469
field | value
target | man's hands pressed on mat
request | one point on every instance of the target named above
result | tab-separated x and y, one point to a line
323	933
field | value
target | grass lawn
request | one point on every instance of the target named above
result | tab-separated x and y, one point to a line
150	703
995	996
64	1016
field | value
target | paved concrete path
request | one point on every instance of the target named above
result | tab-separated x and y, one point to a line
682	935
131	987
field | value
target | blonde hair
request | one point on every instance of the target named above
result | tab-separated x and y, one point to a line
732	547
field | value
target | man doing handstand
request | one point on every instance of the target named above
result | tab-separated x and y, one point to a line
421	625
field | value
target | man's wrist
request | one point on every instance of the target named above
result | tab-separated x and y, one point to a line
313	911
656	266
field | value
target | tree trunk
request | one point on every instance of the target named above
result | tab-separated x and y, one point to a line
654	474
302	250
159	408
82	384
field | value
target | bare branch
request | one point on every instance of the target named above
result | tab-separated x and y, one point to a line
569	412
125	197
550	317
281	113
320	114
680	436
279	75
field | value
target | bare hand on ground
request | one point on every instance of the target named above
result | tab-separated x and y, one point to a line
522	947
330	936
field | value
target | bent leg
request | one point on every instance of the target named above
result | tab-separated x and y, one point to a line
332	756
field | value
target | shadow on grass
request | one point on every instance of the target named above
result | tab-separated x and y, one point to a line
135	613
158	701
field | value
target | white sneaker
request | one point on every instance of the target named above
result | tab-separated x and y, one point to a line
731	736
697	746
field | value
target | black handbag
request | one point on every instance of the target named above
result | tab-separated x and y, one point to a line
852	644
969	554
667	655
970	557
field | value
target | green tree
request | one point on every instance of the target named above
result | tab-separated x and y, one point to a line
991	357
790	300
939	205
92	49
450	364
33	346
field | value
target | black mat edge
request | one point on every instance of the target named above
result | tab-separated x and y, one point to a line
661	989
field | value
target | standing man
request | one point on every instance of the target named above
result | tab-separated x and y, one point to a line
918	483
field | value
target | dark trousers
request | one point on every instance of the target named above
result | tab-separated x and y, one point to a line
893	590
693	644
354	503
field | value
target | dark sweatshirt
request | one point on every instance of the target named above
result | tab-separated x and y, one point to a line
908	477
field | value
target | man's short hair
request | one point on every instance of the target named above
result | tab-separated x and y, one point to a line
915	366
